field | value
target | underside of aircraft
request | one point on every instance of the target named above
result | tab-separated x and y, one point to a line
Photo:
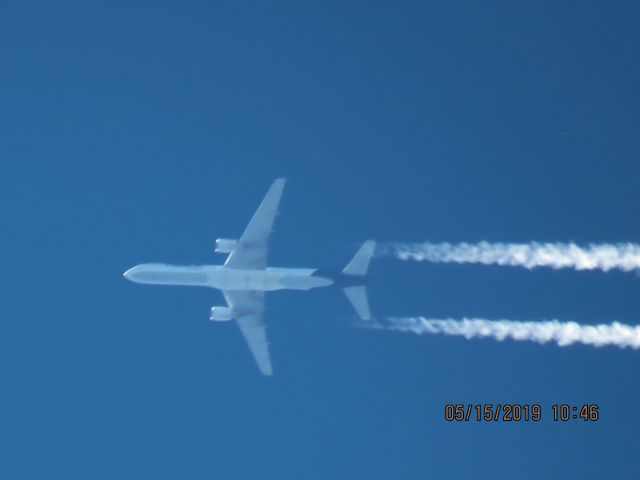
245	277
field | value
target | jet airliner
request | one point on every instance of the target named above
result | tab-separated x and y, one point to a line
245	277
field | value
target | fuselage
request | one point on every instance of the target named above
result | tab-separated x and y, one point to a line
224	278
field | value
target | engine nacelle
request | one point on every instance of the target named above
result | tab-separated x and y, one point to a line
221	314
225	245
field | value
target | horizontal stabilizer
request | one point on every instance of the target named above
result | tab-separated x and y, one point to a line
359	264
358	298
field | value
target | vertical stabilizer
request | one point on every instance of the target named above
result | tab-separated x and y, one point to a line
359	264
358	298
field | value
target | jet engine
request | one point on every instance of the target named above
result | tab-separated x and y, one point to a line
225	245
221	314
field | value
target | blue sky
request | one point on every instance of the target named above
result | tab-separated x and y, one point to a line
136	132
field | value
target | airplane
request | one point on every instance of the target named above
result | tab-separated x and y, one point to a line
245	277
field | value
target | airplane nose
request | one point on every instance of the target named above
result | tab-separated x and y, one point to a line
136	274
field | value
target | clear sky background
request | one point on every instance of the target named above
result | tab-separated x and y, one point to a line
137	132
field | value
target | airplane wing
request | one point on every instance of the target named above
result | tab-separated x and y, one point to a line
248	307
250	252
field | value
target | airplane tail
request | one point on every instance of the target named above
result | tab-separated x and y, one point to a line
358	298
358	266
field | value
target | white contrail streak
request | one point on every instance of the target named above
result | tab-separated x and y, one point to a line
562	333
622	256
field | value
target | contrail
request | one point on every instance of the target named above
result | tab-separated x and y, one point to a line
562	333
607	256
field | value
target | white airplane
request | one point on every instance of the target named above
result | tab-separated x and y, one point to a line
244	278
